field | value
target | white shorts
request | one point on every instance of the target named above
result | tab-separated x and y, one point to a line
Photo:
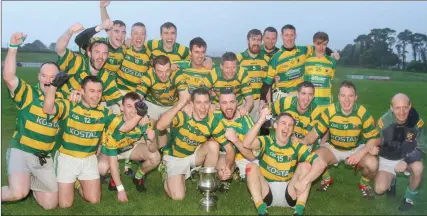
180	166
241	164
69	168
388	165
155	111
255	111
43	178
342	155
278	190
126	155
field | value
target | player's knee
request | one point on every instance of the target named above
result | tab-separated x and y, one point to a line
177	195
103	168
19	193
417	168
304	167
213	147
49	205
155	158
380	187
371	162
93	199
65	204
250	169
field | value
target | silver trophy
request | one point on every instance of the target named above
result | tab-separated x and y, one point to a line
208	184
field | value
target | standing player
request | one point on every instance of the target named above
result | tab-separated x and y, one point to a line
320	70
255	62
189	145
286	168
79	67
29	165
348	123
402	137
137	145
230	75
301	107
81	126
270	38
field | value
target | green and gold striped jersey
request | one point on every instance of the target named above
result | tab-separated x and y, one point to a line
278	163
187	134
115	56
81	128
241	125
133	67
289	67
269	54
321	72
77	67
34	132
346	131
257	69
193	78
240	83
158	92
303	122
179	52
115	142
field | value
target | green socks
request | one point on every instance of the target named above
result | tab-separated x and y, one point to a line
364	181
128	164
261	208
139	174
409	194
326	176
299	208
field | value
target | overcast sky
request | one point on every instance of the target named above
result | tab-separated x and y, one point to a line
223	24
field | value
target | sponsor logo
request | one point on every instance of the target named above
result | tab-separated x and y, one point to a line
45	122
190	141
82	134
344	138
275	171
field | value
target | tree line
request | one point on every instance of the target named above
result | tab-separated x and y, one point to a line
384	48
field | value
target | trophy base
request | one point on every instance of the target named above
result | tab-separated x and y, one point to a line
208	204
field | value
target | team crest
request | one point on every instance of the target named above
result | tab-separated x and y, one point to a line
355	126
409	137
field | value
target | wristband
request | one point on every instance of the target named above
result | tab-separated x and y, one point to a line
13	46
120	188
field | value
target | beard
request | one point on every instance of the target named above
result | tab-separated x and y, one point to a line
225	116
92	63
254	49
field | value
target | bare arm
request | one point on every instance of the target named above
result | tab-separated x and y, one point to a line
9	70
166	119
250	142
103	7
62	43
49	100
229	156
249	103
310	138
372	143
130	124
114	169
245	152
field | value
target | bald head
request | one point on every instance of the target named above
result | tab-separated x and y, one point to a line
400	106
400	98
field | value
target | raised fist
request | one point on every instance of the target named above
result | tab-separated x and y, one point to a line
106	24
104	3
141	108
76	27
18	38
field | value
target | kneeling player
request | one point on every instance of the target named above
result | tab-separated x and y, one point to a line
188	145
117	146
286	168
402	136
237	126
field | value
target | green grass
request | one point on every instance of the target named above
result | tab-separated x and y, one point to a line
33	56
342	198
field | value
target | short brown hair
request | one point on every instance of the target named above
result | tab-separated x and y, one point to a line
348	84
161	59
131	95
167	25
305	84
321	36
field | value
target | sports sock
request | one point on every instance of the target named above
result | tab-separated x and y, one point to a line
139	174
409	194
326	176
128	164
299	208
364	181
393	182
261	207
77	184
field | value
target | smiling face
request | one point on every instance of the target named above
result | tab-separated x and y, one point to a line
198	55
117	35
270	39
289	36
46	75
92	93
98	55
169	37
305	97
163	71
229	68
400	106
284	127
138	34
254	44
347	97
228	105
201	104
